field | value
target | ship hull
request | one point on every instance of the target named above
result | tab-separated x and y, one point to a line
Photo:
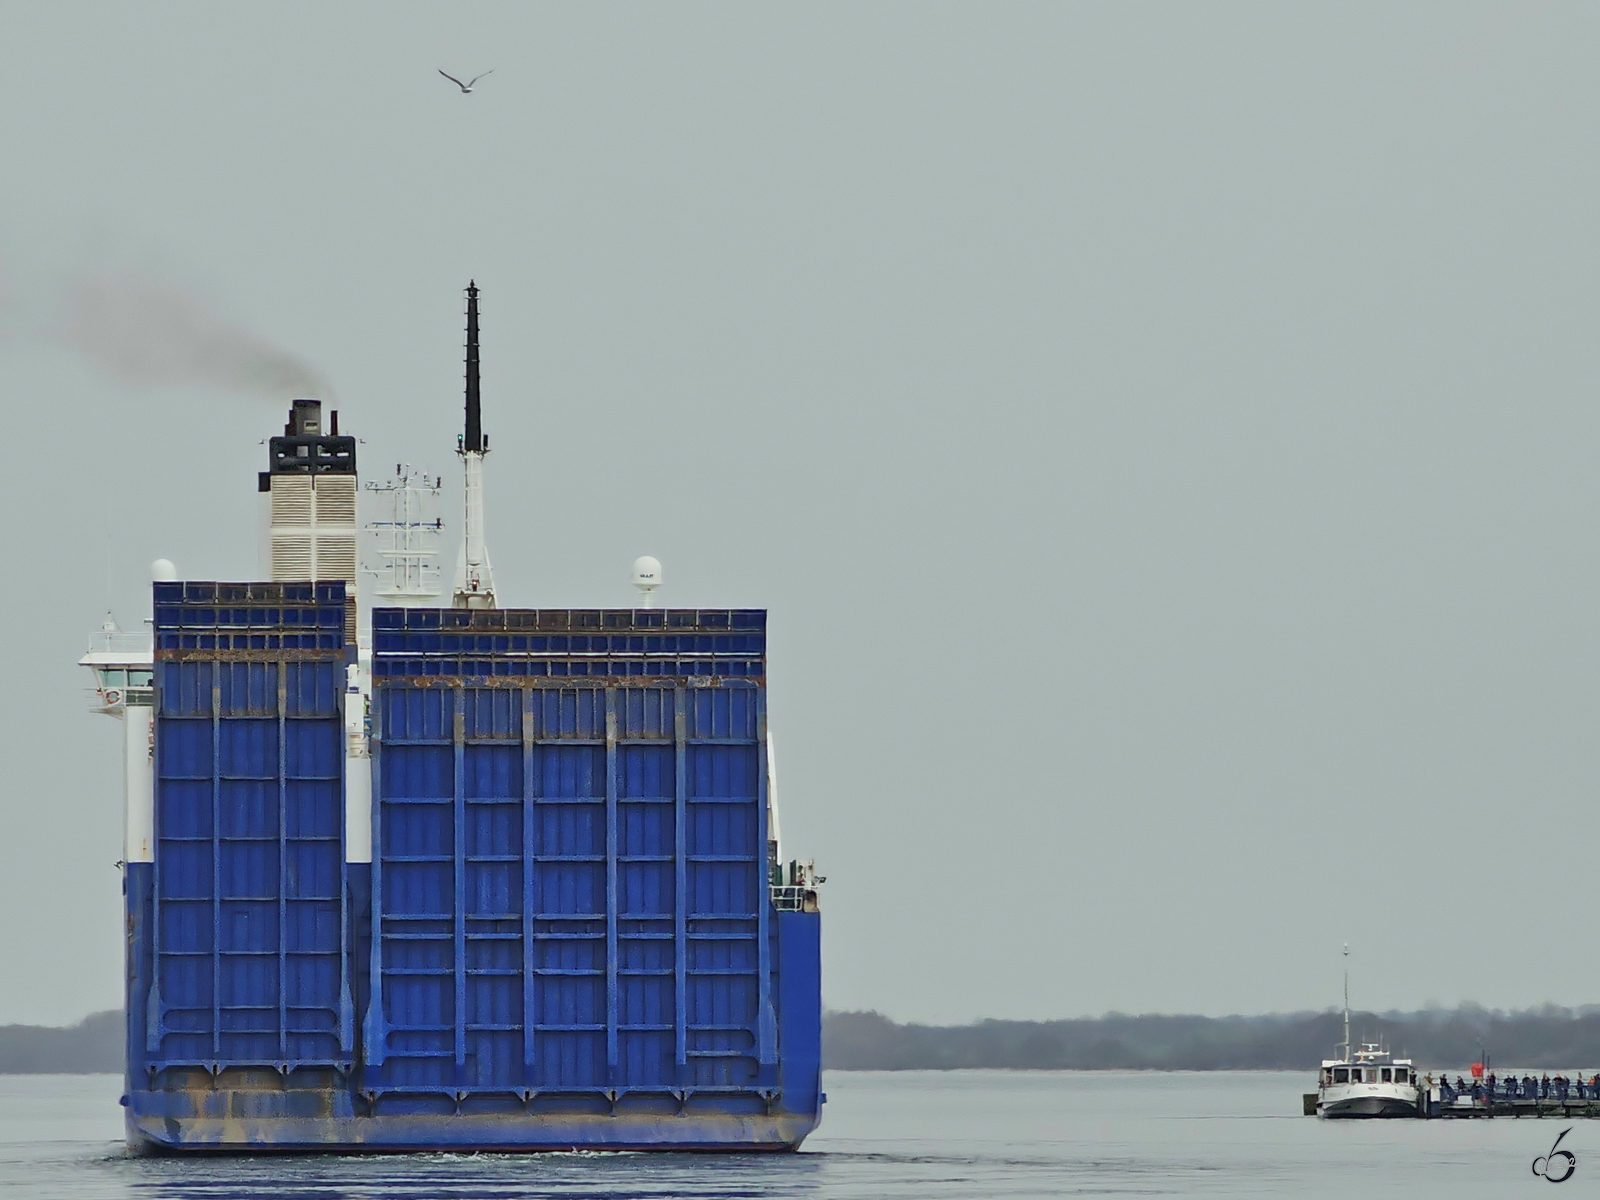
1367	1106
155	1132
216	1108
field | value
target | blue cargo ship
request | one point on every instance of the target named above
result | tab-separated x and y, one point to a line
418	877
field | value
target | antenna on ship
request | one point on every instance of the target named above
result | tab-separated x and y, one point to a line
646	577
402	545
1346	1055
474	587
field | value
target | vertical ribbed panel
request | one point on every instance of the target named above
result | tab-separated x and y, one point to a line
573	874
249	897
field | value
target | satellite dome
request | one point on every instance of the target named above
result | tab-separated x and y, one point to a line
646	576
162	570
646	572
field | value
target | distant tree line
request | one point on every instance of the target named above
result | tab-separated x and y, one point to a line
1538	1038
92	1046
1548	1037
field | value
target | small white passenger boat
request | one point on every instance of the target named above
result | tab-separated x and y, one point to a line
1367	1083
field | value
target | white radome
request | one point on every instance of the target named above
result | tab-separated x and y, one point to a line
163	571
646	576
646	572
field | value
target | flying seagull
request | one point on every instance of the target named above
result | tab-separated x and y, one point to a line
466	88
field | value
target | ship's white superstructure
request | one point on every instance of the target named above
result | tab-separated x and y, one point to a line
122	665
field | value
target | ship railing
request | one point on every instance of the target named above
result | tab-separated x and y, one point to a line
1522	1088
120	642
789	898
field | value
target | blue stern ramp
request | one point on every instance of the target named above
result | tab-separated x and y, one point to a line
575	930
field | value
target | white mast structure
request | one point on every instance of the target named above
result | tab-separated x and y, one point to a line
474	586
403	543
1347	1001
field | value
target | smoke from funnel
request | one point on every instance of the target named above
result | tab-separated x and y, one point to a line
151	333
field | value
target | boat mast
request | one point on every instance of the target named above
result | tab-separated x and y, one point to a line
1346	1002
474	587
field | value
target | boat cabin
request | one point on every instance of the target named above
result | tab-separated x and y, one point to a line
1335	1071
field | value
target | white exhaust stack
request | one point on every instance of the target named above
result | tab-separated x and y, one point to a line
310	487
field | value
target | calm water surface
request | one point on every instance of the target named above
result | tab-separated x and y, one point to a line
988	1134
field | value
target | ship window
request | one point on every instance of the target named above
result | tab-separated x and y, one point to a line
1400	1075
139	678
1388	1075
1341	1075
113	678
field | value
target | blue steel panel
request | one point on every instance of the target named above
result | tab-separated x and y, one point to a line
800	1009
247	944
572	880
680	881
530	893
612	899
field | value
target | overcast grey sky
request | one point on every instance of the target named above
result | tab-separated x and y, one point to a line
1163	434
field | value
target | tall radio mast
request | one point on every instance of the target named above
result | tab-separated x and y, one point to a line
474	587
